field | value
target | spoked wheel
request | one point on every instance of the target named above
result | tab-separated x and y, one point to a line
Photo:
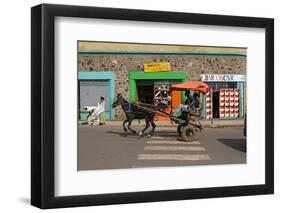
188	133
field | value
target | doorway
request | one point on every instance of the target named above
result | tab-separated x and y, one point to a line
216	104
145	90
91	91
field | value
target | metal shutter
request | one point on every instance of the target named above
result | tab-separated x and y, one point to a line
91	91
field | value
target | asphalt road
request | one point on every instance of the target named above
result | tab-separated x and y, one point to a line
109	147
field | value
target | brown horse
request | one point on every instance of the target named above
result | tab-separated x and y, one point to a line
132	112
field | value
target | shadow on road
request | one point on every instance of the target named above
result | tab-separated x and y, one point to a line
121	134
130	134
238	144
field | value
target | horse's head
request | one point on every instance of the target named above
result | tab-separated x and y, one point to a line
118	100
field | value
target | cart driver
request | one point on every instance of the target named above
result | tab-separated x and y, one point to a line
189	99
188	103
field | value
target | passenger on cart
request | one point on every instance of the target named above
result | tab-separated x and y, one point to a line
188	103
196	107
196	103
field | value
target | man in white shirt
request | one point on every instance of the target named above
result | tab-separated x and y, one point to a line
100	111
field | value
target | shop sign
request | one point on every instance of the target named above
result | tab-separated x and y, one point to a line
157	67
225	78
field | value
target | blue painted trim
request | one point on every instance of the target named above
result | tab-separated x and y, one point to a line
108	75
157	53
240	86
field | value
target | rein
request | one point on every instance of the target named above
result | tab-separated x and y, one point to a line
128	107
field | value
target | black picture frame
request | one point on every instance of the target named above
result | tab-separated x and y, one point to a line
43	102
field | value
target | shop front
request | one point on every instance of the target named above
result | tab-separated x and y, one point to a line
226	97
154	88
92	86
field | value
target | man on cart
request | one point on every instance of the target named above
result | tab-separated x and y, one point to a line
184	107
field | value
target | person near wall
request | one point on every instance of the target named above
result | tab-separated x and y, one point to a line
100	111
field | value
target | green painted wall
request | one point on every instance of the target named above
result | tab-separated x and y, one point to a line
138	75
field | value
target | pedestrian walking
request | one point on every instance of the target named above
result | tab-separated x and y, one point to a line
100	111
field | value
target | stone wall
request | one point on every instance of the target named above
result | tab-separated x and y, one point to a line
194	65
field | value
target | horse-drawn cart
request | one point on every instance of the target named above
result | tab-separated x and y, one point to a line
188	120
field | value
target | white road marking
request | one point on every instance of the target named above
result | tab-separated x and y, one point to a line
160	137
172	157
172	142
174	148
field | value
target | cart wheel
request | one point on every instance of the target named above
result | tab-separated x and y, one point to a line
188	133
179	129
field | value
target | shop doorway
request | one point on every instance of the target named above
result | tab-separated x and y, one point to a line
145	86
90	92
145	90
157	92
216	104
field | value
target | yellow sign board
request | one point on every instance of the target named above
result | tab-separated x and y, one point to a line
157	67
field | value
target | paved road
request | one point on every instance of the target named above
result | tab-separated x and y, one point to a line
108	147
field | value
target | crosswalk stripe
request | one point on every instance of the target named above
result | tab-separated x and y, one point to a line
174	148
161	137
172	157
172	142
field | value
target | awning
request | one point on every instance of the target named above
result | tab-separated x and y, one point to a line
191	85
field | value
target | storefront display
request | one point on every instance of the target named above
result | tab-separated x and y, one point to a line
162	93
226	97
229	103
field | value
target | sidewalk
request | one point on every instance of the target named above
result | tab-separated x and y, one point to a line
205	123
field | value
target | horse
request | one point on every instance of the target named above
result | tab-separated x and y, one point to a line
132	112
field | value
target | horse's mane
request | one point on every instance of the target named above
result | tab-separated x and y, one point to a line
124	99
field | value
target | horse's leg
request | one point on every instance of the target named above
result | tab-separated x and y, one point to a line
146	126
150	134
129	126
124	122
